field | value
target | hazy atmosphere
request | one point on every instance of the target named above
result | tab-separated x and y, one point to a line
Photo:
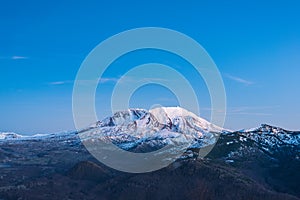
42	45
146	100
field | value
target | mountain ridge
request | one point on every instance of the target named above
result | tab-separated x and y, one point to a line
262	163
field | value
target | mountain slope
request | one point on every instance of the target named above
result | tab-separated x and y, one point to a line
267	154
260	163
154	129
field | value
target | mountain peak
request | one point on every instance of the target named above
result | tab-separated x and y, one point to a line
9	135
159	126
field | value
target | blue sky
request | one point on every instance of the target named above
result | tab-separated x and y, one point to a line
255	45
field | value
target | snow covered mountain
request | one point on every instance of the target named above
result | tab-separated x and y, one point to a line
252	161
9	135
268	135
155	128
265	141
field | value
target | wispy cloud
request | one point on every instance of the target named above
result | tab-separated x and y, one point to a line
128	80
59	82
105	80
247	110
13	57
83	82
239	79
250	113
19	57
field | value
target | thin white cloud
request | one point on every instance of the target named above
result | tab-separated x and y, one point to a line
83	82
58	83
128	80
239	79
19	57
105	80
90	82
251	113
13	57
247	110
